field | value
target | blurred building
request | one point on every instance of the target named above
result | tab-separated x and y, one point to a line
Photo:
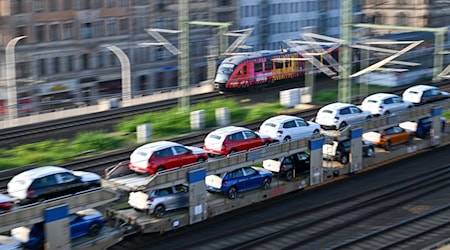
418	13
62	63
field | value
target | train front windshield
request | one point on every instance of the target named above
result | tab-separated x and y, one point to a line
224	72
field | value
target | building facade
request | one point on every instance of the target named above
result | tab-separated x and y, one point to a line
63	62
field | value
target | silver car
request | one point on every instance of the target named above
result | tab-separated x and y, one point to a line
340	115
158	201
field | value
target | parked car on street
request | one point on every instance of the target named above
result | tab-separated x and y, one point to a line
389	137
239	180
285	128
420	94
6	203
231	139
422	127
158	201
340	150
43	183
88	222
339	115
290	166
385	104
158	156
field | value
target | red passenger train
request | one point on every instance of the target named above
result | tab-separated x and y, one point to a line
258	69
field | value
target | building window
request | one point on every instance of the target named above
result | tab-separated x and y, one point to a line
67	4
53	5
22	70
56	65
123	26
123	3
378	18
40	33
68	31
100	60
87	30
402	19
21	31
85	61
99	29
109	3
85	4
70	63
54	32
111	27
38	5
17	7
41	67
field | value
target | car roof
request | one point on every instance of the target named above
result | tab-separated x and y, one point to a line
228	130
154	146
380	96
336	105
421	87
39	172
282	118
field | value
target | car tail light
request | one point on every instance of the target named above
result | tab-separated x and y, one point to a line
283	166
422	99
151	199
336	118
224	182
382	137
380	107
30	192
279	132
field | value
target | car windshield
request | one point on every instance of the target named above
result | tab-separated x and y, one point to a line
226	68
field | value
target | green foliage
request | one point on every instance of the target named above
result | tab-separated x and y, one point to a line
446	115
94	140
262	112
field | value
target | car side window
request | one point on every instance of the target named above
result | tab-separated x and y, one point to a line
398	130
249	171
180	189
164	153
179	150
289	124
301	123
388	101
389	131
236	174
45	181
236	136
164	191
66	177
356	110
435	92
302	156
287	160
345	111
427	93
250	135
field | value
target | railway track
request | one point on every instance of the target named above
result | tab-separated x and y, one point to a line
324	225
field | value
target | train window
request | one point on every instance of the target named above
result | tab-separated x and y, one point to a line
286	64
278	65
258	67
245	70
268	65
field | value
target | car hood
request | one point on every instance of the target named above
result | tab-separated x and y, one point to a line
87	176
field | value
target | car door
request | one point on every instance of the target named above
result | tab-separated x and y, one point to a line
166	197
166	157
237	141
398	105
49	188
183	156
357	114
181	194
252	139
303	129
69	183
290	129
238	178
78	226
303	162
388	105
253	179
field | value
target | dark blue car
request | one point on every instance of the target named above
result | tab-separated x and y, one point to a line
86	222
239	180
422	128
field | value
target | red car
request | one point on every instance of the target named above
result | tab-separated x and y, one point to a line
158	156
231	139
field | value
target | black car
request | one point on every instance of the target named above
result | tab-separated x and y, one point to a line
290	166
340	150
48	182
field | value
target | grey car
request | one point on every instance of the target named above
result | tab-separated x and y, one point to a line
158	201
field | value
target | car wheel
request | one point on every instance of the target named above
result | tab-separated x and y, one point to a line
342	125
159	211
287	139
232	193
266	184
232	152
370	152
94	229
342	157
159	169
316	132
387	113
289	175
200	160
388	146
266	144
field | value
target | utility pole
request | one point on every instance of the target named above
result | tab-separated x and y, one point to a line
345	52
183	57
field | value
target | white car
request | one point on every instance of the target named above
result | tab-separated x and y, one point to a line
385	104
339	115
287	127
421	94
